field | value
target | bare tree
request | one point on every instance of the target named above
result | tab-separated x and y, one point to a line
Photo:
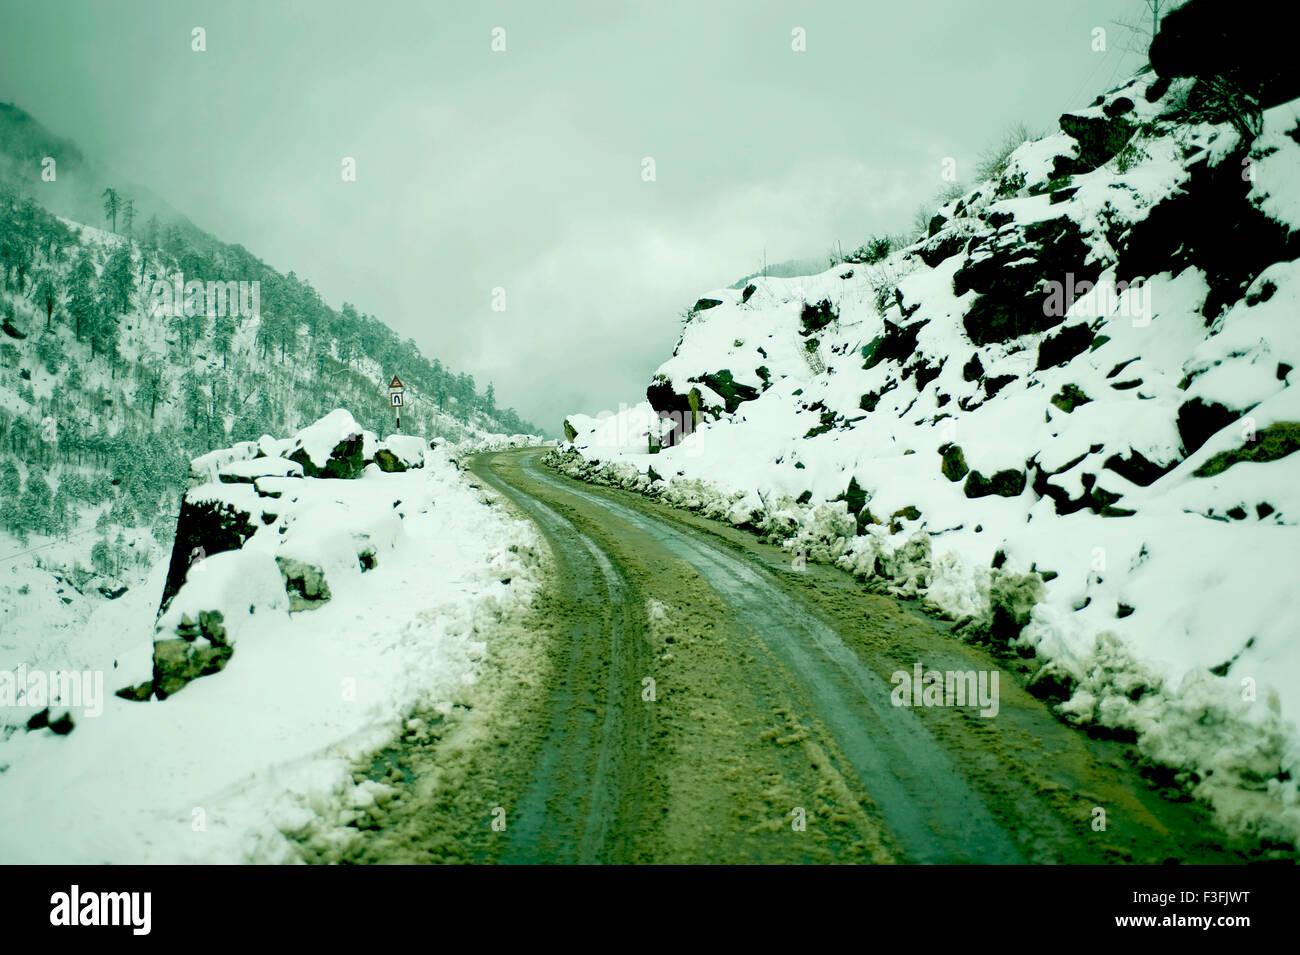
1143	25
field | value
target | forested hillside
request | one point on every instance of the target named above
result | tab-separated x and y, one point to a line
110	384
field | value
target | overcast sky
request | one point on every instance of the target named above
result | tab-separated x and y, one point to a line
522	169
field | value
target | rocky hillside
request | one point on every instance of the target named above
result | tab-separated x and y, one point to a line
1063	418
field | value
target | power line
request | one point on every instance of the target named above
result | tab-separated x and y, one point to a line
32	550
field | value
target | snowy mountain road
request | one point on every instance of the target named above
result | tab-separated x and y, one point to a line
692	697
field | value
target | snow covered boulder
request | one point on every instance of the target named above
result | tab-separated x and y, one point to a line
400	452
272	447
1005	483
200	649
271	532
247	472
195	635
333	447
304	583
213	519
205	467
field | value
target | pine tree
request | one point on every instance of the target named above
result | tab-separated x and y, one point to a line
223	335
47	292
151	390
82	300
111	205
104	333
101	556
117	282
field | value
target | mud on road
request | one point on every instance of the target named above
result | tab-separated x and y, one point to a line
680	693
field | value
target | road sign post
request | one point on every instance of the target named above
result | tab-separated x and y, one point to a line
395	390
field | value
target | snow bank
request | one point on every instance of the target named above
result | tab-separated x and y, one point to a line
235	763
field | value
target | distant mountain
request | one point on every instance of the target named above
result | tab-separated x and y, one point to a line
78	185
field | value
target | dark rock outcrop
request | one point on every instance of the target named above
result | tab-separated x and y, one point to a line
345	461
732	392
1136	467
1199	420
204	528
1204	39
954	463
681	411
391	463
1099	137
304	583
896	343
198	649
815	317
1212	225
1069	397
1066	344
1007	268
1270	444
1006	483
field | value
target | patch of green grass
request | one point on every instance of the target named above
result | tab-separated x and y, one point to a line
1274	442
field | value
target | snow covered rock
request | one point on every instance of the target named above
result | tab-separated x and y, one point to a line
212	520
247	472
204	468
197	631
333	447
275	534
304	583
399	452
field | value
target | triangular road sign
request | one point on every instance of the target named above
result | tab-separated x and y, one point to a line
396	383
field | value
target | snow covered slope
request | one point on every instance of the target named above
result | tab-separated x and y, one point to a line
357	599
1064	417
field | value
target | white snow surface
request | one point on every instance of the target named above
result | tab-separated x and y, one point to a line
234	764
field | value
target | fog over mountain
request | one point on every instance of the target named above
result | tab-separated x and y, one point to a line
522	169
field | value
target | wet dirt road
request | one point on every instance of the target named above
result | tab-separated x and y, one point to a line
680	693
